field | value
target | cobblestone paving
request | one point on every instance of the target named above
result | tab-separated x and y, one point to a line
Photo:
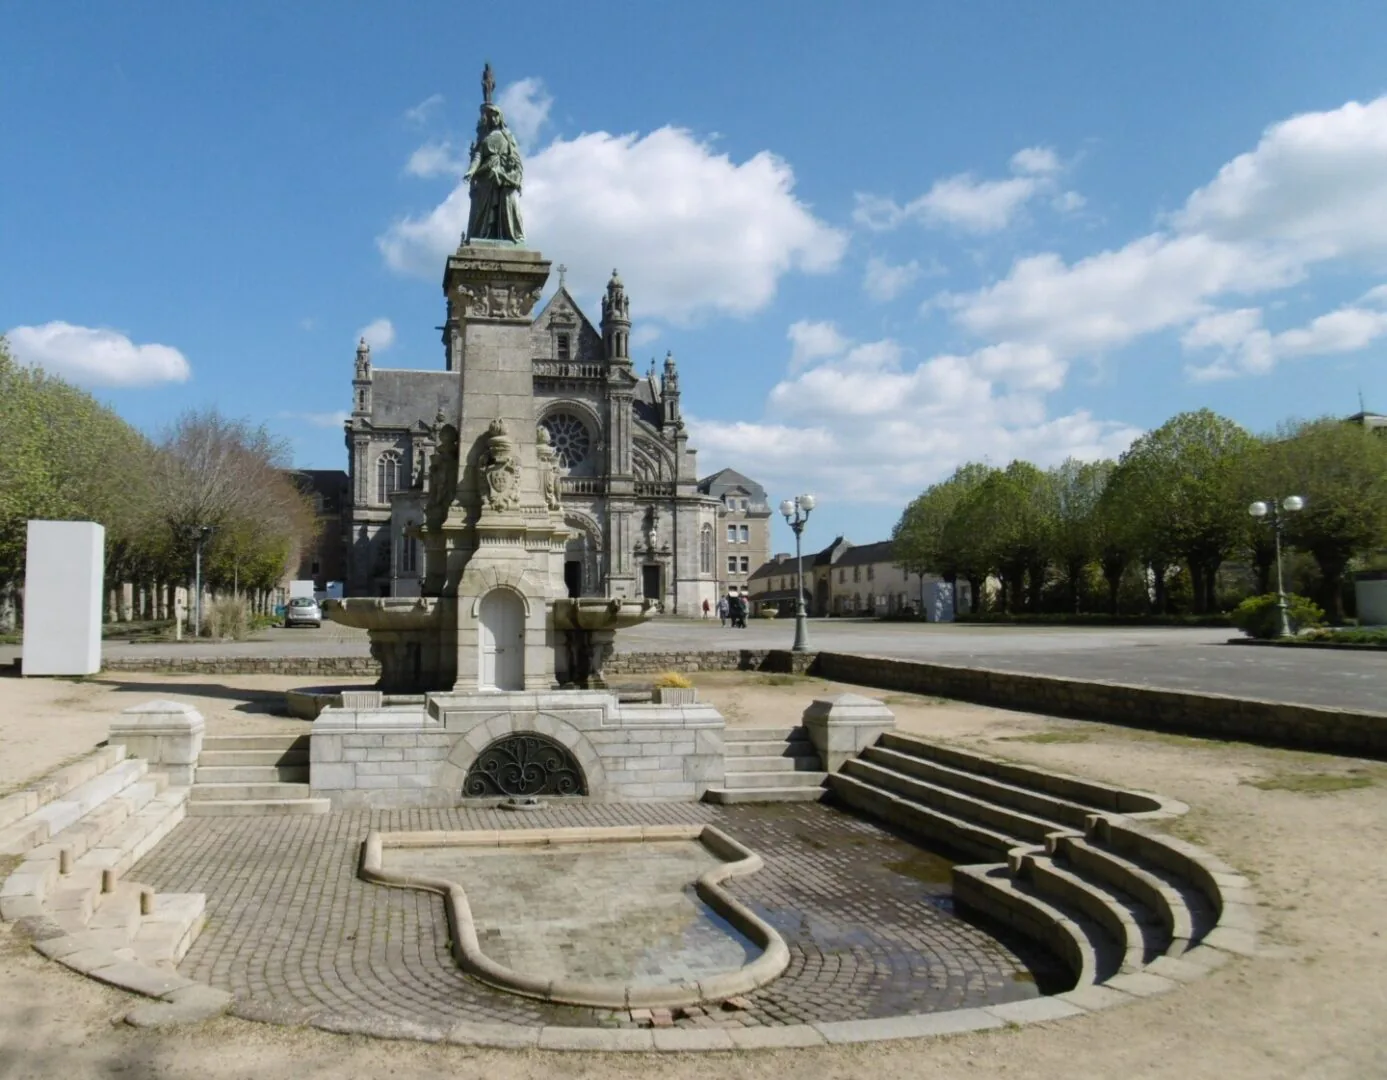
296	935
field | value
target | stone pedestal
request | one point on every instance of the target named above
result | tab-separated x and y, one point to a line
64	596
842	727
167	734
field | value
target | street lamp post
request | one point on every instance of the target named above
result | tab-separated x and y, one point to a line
1276	512
203	532
796	513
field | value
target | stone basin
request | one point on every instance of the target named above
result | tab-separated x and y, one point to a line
620	917
383	613
600	613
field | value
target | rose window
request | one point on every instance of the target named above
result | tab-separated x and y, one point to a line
569	436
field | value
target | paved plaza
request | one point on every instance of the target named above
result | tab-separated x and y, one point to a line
296	935
1174	658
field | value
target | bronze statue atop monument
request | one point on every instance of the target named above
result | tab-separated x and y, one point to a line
494	175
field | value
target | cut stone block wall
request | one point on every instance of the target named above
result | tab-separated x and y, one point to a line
374	756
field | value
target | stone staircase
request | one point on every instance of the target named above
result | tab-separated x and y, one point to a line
769	765
247	775
1065	861
77	832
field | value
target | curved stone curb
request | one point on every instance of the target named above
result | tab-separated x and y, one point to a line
738	861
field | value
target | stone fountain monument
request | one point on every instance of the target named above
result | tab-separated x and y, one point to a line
495	635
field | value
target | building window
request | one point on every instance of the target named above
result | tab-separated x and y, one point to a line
569	436
564	347
857	573
315	571
731	564
744	534
746	564
705	550
731	534
409	555
842	575
871	573
387	475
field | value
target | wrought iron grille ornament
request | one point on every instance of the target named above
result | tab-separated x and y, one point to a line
525	764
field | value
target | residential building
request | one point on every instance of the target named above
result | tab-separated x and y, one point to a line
743	533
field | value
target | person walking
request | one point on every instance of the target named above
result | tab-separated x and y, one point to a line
722	610
706	608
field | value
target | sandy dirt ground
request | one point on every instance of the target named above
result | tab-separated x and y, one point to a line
1310	830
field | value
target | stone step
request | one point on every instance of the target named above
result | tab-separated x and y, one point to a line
252	774
1181	911
201	792
1086	950
935	826
164	936
119	910
1034	803
85	797
764	734
732	796
766	748
1126	922
255	742
999	819
762	780
750	763
121	848
19	805
258	807
251	757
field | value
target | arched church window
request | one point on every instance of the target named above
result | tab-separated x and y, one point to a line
387	475
569	436
705	550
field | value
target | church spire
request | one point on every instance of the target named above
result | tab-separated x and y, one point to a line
361	385
616	321
669	392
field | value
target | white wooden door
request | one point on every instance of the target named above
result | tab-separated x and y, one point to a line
502	641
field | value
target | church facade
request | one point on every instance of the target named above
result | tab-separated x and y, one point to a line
630	492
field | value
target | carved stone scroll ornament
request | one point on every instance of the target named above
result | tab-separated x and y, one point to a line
510	300
550	471
501	471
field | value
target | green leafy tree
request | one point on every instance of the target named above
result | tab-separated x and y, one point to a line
1341	471
1077	537
1185	485
918	541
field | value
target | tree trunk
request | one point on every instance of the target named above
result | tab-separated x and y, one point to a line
975	591
1157	595
1332	600
1196	572
1211	587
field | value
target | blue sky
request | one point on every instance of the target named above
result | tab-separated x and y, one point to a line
880	240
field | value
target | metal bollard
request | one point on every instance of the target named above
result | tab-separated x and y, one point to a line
65	860
146	901
108	881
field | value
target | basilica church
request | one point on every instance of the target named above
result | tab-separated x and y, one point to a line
643	524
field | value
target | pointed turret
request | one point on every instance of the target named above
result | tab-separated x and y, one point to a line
361	385
616	321
669	393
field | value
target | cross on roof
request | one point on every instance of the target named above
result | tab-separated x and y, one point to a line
563	270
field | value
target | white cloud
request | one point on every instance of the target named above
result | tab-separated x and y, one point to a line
435	159
1245	348
419	114
525	105
379	334
870	426
1311	192
965	202
813	341
885	281
96	357
317	419
692	231
1068	202
1036	161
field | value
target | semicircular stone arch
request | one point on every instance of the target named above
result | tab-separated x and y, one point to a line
491	731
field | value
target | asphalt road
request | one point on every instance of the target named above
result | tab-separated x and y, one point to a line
1169	657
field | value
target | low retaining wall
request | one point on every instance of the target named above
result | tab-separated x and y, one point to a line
1305	727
